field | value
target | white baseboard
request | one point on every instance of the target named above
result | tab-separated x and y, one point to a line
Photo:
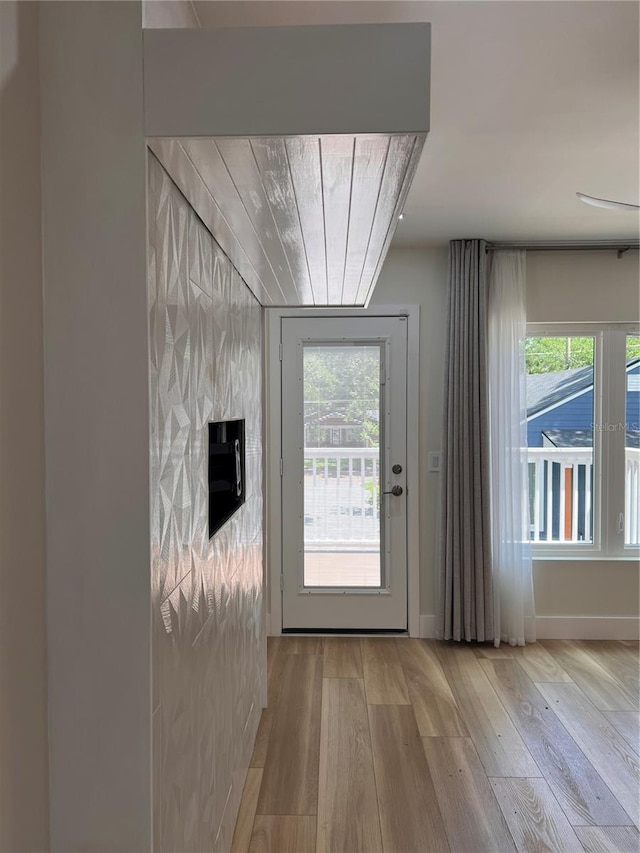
587	627
557	627
566	627
427	626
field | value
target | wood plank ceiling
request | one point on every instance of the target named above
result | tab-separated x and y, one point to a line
306	220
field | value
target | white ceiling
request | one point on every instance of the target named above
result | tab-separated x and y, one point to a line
531	101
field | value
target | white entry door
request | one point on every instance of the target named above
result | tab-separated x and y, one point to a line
344	510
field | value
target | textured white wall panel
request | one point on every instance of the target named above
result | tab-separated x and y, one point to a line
208	632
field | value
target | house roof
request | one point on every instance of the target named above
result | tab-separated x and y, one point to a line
332	419
584	437
545	390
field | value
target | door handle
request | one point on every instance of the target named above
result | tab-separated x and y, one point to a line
396	491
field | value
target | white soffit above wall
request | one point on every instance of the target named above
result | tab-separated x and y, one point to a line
306	220
295	145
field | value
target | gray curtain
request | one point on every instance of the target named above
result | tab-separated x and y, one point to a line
465	594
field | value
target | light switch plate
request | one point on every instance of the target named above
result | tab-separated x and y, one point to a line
433	458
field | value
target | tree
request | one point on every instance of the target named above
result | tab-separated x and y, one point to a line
633	346
552	354
343	380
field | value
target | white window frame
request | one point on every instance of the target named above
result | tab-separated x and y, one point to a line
608	496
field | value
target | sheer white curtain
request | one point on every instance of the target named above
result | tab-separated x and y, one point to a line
514	616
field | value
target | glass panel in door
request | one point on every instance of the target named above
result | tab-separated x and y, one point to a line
342	440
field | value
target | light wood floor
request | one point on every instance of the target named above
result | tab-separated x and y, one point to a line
411	746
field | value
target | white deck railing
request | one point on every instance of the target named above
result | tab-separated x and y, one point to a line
561	494
632	496
341	496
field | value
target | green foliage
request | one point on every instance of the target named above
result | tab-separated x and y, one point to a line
552	354
633	346
344	380
549	355
370	433
372	488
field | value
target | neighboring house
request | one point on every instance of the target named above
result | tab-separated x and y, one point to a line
560	414
339	428
334	429
560	407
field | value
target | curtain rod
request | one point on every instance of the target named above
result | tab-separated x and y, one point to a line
619	246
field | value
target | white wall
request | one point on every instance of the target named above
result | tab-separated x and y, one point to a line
419	277
574	287
561	286
97	432
23	685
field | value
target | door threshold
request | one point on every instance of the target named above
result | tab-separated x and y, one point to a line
346	632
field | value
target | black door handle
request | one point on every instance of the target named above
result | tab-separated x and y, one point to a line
396	491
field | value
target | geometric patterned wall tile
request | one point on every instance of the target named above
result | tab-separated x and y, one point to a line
205	362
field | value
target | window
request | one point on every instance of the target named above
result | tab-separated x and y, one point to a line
632	443
560	417
583	435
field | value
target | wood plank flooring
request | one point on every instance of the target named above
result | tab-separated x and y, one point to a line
347	799
583	795
409	816
383	745
534	816
290	778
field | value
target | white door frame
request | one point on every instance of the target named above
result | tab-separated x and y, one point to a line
273	481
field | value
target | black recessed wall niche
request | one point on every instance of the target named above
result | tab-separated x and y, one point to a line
226	471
